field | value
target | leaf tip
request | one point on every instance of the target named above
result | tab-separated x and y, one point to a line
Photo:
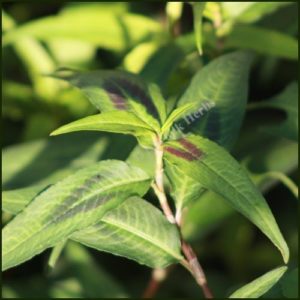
55	132
286	255
200	51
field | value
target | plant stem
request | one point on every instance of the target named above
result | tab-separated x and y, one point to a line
158	185
191	263
157	277
196	268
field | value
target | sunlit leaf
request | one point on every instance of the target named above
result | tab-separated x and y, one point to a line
216	170
73	203
175	115
136	230
114	90
259	286
113	121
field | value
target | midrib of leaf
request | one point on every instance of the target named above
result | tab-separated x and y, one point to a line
51	221
140	234
239	193
114	123
243	197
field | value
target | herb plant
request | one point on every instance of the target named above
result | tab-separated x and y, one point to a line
146	205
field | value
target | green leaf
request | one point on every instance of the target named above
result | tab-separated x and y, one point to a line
286	101
174	12
184	189
249	12
143	159
114	90
263	40
13	201
198	8
259	286
162	63
48	160
55	253
136	59
96	26
74	203
220	90
176	114
114	121
158	101
204	215
260	153
136	230
124	223
44	162
7	21
64	54
92	7
210	165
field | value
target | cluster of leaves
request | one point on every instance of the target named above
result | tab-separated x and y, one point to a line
67	189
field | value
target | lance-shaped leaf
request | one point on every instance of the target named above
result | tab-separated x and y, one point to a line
176	114
220	90
74	203
219	94
216	170
259	286
260	153
115	90
115	121
136	230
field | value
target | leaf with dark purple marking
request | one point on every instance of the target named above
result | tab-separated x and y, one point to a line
74	203
115	90
180	153
220	92
215	169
